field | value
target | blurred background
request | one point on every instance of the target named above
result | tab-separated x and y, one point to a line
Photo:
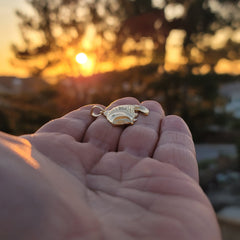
57	55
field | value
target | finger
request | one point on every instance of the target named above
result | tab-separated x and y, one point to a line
140	139
73	124
176	146
103	134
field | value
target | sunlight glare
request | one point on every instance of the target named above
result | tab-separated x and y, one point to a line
23	150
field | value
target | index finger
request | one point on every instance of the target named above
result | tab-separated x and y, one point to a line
73	124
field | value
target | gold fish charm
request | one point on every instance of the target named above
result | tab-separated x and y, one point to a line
120	115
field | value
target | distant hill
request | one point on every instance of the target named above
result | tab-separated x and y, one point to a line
15	85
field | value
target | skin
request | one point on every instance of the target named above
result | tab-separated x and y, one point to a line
79	177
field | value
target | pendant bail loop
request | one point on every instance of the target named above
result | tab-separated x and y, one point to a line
94	113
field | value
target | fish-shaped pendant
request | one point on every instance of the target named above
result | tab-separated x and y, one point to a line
122	114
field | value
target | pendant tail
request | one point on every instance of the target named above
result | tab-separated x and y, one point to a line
141	109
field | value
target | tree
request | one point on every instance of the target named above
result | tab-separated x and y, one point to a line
47	32
55	31
140	28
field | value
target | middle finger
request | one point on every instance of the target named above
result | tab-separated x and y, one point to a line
141	138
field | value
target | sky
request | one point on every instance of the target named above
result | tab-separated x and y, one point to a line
9	33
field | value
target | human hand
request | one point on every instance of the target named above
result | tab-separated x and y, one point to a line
82	178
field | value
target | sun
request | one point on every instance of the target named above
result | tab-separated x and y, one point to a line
86	63
81	58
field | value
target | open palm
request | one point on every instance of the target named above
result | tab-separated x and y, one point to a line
82	178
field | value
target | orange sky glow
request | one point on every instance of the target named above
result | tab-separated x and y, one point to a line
174	59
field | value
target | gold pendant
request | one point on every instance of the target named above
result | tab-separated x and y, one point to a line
120	115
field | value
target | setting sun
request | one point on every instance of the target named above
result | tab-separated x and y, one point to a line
81	58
